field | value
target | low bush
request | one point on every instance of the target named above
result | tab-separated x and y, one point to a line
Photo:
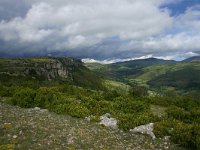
129	121
47	97
24	97
187	135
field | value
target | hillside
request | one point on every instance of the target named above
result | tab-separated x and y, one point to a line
187	78
153	72
192	59
41	93
182	75
39	129
123	71
47	70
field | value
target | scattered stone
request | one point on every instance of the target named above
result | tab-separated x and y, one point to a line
34	130
44	110
36	108
88	118
166	147
145	129
14	136
20	132
167	138
108	121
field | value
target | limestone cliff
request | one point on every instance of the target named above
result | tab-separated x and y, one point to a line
49	68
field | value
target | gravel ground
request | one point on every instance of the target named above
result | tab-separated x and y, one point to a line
26	129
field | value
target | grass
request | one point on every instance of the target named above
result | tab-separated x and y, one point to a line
158	110
118	86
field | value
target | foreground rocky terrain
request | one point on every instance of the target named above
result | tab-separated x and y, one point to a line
40	129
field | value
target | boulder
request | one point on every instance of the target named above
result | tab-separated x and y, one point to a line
108	121
145	129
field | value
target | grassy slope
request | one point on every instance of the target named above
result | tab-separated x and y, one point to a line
182	75
123	71
157	73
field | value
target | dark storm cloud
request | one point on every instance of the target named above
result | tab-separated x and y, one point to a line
10	9
98	29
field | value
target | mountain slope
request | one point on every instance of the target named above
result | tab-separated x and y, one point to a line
48	69
154	72
181	76
192	59
124	71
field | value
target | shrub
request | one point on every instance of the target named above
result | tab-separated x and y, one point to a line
71	107
129	121
78	110
140	91
182	134
164	127
99	107
7	91
127	105
24	98
47	97
187	135
178	113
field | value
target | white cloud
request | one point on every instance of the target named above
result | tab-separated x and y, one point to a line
103	28
190	20
90	19
110	61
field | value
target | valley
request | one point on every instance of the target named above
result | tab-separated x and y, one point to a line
62	93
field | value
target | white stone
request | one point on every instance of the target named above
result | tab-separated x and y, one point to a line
145	129
37	108
44	110
108	121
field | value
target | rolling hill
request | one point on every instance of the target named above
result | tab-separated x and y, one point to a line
123	71
153	72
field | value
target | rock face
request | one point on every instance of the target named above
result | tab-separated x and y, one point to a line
49	68
108	121
145	129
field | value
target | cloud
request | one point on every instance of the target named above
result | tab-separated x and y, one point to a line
190	20
98	29
110	61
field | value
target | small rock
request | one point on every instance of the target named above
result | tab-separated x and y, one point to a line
166	147
36	108
20	132
167	138
14	136
88	118
44	110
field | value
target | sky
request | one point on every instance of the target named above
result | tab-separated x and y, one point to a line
100	30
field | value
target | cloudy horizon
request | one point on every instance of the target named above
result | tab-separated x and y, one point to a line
100	29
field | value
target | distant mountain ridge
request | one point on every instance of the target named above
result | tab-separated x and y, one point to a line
192	59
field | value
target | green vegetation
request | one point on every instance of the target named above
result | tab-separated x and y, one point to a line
85	94
153	72
179	119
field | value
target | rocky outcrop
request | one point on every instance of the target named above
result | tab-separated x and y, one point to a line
49	68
